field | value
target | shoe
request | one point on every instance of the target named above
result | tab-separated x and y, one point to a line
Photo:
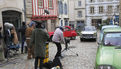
60	57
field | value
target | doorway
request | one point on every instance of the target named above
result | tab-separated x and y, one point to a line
13	17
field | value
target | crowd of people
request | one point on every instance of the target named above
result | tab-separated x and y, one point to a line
34	36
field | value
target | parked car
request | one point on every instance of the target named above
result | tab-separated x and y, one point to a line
109	50
105	27
69	32
89	32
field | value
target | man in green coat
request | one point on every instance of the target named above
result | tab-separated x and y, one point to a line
39	38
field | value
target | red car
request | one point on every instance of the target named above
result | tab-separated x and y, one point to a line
68	32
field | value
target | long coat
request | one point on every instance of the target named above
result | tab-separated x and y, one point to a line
39	38
15	39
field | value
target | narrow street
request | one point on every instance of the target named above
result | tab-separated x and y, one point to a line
86	59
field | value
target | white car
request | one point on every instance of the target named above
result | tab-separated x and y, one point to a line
89	32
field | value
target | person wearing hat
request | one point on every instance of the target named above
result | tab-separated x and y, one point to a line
28	34
38	39
58	38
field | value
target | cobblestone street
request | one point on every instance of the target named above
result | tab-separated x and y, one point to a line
86	59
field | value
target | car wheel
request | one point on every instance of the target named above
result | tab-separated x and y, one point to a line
51	38
73	38
81	39
95	39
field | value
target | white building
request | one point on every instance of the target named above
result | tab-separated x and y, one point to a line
99	10
76	13
63	12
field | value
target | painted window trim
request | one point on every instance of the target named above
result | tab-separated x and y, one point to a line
52	5
39	6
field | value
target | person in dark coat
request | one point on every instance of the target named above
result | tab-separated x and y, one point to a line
38	39
23	30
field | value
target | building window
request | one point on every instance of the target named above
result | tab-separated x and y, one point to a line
79	13
65	8
50	3
100	0
92	0
117	8
60	7
110	8
109	0
101	9
40	3
79	3
92	10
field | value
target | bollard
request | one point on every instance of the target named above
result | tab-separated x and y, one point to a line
47	53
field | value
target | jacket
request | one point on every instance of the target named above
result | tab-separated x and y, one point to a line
39	38
15	37
28	32
58	36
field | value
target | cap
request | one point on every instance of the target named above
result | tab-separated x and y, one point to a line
31	23
61	28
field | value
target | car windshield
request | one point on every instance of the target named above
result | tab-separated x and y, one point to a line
112	39
90	28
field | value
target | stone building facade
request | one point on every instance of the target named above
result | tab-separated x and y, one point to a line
99	10
76	13
63	12
11	11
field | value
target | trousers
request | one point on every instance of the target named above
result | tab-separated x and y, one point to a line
59	48
30	50
39	60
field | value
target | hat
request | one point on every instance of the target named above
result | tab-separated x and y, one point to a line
61	28
31	23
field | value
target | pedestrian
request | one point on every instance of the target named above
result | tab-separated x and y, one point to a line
14	37
28	35
1	35
38	39
23	30
58	38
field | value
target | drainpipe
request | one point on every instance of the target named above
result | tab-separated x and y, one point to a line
24	10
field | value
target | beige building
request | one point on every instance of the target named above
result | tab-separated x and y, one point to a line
76	13
11	11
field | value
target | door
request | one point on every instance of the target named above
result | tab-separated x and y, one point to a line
13	17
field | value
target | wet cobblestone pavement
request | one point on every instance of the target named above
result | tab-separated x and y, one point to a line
85	60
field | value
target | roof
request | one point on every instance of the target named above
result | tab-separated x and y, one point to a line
116	29
109	26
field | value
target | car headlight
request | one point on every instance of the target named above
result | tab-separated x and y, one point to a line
105	67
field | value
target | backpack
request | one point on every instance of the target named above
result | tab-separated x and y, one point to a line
56	62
